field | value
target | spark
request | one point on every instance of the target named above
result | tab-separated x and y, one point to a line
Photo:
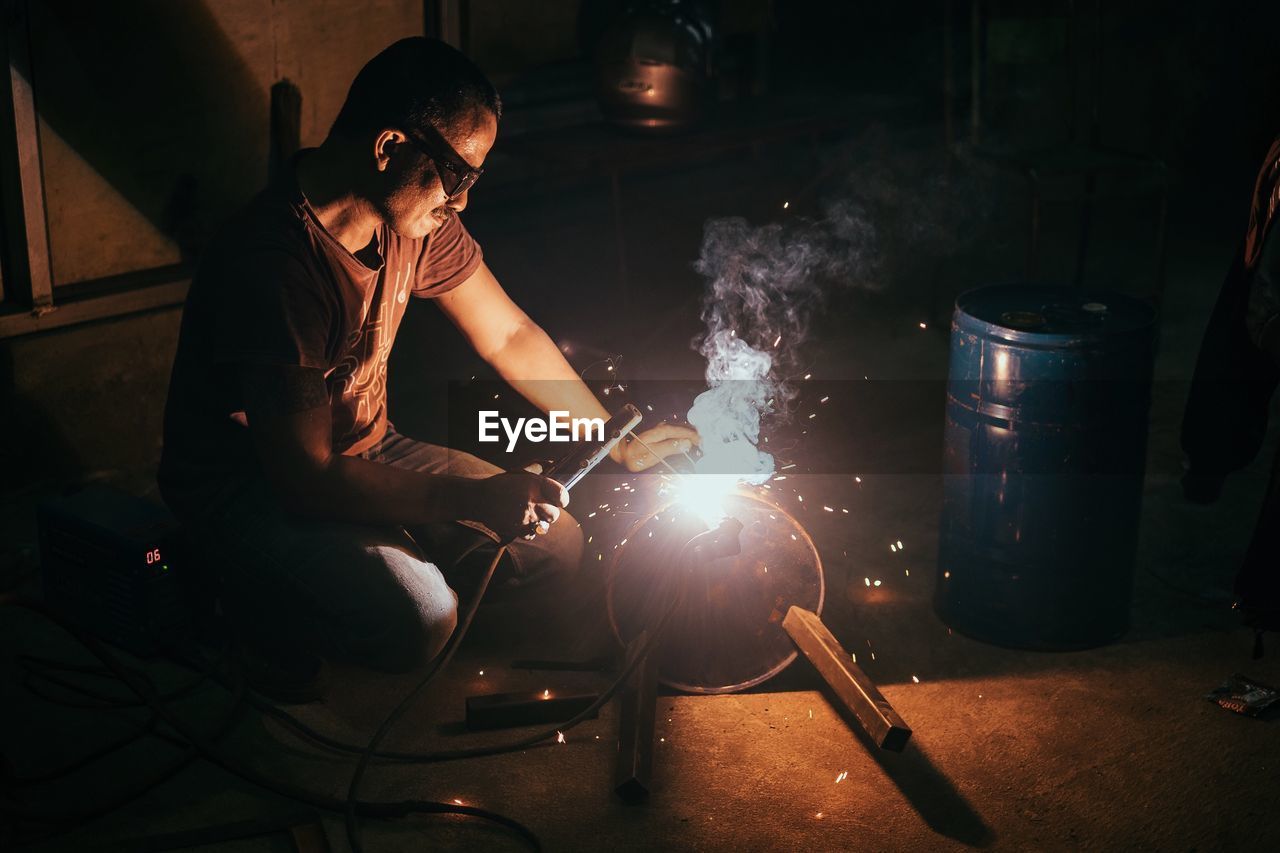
458	801
482	672
877	582
777	340
818	815
785	205
843	775
946	574
899	544
893	548
546	694
812	416
916	679
845	510
824	399
922	325
800	498
855	656
610	367
827	508
560	737
867	581
591	515
807	375
907	572
793	536
811	713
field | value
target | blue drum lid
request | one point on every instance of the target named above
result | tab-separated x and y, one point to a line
1050	315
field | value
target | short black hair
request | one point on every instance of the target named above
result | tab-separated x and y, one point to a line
415	82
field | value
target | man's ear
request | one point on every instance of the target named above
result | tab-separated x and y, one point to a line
385	146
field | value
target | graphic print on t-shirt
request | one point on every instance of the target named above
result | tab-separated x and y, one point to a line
360	378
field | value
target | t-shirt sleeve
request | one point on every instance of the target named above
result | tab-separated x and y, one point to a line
273	311
449	257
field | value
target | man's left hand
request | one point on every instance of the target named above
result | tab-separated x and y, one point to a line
659	442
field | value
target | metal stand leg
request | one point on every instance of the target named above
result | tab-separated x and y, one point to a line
639	709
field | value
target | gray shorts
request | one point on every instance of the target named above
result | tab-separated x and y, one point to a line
373	596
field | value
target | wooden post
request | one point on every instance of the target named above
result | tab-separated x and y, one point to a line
28	276
853	689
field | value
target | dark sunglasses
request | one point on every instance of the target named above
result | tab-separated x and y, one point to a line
456	175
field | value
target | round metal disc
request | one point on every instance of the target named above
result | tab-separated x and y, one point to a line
727	635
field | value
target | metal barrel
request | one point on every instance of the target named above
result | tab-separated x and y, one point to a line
1045	447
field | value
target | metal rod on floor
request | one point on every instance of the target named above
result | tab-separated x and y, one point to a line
854	691
639	709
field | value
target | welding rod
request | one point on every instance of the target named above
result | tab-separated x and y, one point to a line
639	709
856	694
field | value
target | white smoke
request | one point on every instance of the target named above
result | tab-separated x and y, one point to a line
727	415
764	282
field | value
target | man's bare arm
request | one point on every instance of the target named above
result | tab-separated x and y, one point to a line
289	418
526	357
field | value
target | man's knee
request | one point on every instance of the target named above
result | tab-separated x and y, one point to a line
414	619
416	639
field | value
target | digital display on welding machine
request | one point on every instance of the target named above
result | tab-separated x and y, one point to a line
153	557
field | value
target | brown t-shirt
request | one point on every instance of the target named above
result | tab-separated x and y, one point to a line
275	288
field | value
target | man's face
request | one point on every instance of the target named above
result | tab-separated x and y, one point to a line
415	204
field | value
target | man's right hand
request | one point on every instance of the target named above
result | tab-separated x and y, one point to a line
514	504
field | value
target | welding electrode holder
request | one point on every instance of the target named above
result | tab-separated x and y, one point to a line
579	461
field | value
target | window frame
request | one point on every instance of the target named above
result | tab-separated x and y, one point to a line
29	299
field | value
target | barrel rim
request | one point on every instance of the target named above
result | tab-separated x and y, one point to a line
964	319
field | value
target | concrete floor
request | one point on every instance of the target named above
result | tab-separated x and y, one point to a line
1113	748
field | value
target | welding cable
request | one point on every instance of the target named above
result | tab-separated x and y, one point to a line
460	632
321	739
65	822
367	754
37	667
219	758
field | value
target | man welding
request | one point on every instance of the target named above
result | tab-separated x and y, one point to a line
322	521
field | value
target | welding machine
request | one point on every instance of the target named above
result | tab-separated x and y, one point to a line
111	563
